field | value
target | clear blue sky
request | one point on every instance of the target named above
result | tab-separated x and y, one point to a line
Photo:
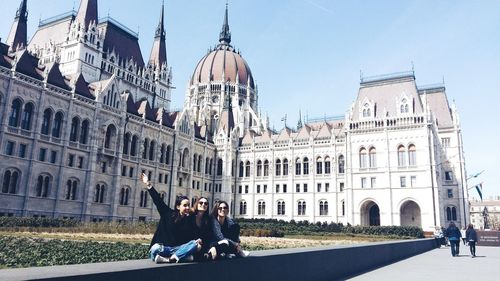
308	54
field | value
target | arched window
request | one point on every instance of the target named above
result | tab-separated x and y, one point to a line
451	213
110	135
412	155
285	167
363	158
210	166
75	125
199	163
219	167
373	157
143	202
306	166
242	168
261	208
401	156
15	113
10	181
327	165
46	122
27	117
133	145
56	128
207	163
319	166
342	211
167	155
71	189
281	208
301	208
278	167
43	186
124	194
323	208
100	190
243	208
298	166
84	133
247	169
266	168
126	143
259	168
341	164
145	148
195	159
152	150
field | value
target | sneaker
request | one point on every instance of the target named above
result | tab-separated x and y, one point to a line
231	256
244	253
160	259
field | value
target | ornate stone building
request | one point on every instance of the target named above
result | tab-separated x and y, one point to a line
83	114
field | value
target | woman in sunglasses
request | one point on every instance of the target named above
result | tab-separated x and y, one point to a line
226	232
175	237
203	226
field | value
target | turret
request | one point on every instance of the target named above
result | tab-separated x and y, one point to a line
18	33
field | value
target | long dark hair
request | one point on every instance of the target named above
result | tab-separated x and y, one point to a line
217	204
178	201
206	216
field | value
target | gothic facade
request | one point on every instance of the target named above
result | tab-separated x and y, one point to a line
83	114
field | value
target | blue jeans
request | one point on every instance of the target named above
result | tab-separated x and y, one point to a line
455	247
180	252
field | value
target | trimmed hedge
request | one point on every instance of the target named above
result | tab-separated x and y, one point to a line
306	228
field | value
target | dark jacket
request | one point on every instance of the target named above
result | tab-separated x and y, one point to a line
229	230
471	235
205	231
453	233
169	231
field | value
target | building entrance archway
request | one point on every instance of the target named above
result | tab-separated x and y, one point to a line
370	214
410	214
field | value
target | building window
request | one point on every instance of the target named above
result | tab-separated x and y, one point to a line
56	128
71	189
219	167
450	193
402	181
124	171
413	181
258	188
445	142
284	188
46	122
243	208
412	155
285	167
363	182
9	148
247	169
341	164
259	168
80	164
265	188
100	190
327	187
15	112
278	167
301	208
43	186
327	166
53	157
373	157
341	186
10	182
42	154
298	167
242	168
319	187
143	201
240	188
281	208
277	188
451	213
297	187
22	150
306	166
246	188
448	176
266	168
305	187
71	160
342	211
75	125
319	166
373	182
261	208
84	133
401	156
323	208
363	158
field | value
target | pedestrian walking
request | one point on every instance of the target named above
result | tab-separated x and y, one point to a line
471	237
462	233
453	234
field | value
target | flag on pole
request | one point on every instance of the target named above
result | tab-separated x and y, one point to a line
479	189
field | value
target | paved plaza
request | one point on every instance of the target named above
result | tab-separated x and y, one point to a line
439	265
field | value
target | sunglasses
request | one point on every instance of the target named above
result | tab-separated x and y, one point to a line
223	208
203	203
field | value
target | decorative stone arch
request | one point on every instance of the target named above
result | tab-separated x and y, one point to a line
369	212
366	109
409	213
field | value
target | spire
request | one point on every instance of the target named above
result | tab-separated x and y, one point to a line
225	34
87	12
299	123
18	33
158	55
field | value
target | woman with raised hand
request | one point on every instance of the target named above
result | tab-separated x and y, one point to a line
203	225
174	239
226	232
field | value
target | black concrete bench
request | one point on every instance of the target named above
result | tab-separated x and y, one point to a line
322	263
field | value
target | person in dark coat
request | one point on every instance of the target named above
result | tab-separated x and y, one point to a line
175	237
471	237
453	234
203	225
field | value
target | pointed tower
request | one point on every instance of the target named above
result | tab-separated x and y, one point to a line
18	35
158	55
299	123
225	34
87	13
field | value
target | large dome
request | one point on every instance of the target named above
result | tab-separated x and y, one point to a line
223	61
